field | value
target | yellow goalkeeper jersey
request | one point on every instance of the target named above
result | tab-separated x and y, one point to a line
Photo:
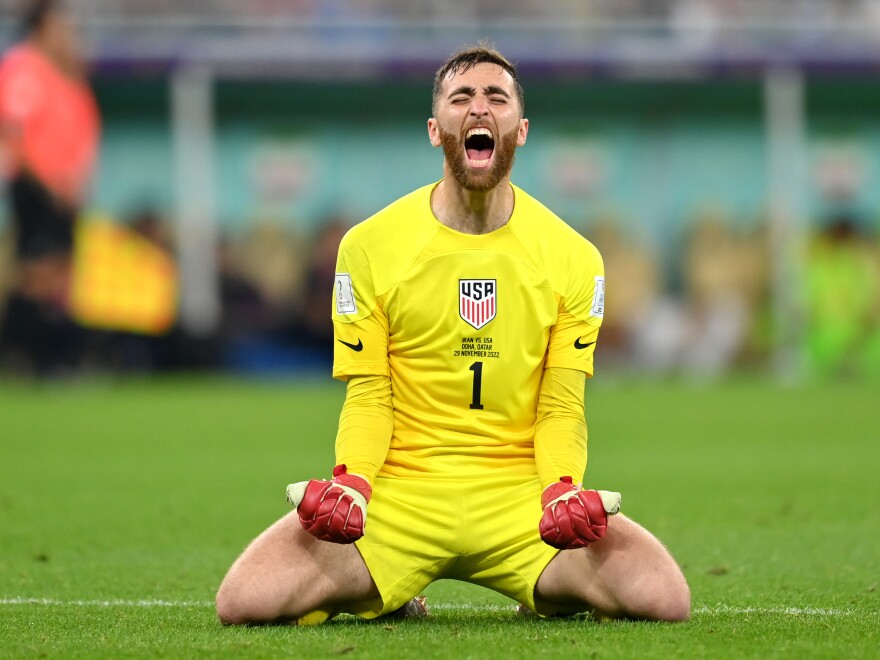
464	325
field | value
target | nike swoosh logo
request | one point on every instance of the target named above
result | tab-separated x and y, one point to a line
578	344
357	348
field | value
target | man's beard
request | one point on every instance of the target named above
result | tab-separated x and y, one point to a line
479	180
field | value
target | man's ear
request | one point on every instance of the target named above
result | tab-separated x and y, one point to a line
434	132
523	132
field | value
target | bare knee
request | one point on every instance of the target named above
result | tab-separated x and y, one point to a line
660	593
252	594
285	573
229	609
679	609
255	591
628	575
657	590
671	601
239	605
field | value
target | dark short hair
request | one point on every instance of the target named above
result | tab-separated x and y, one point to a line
35	12
466	59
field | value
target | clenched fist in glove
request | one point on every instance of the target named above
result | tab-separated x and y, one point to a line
575	518
334	511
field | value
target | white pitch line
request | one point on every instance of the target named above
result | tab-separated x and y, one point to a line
146	603
718	609
106	603
795	611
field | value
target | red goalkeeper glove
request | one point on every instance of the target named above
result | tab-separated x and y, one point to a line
575	518
334	511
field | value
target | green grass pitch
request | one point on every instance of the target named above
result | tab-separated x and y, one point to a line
123	503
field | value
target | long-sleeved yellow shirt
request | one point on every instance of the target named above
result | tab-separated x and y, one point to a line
465	354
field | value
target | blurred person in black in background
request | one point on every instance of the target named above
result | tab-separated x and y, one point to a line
49	132
311	330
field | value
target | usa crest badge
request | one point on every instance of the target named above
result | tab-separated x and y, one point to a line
476	301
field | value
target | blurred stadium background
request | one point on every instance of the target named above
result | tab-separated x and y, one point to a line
724	155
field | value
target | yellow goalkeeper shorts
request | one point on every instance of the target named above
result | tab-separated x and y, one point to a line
479	530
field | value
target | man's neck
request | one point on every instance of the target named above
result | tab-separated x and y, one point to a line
469	211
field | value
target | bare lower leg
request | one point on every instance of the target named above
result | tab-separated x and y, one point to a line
285	573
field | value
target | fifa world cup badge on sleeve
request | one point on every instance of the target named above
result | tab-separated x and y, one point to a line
599	297
344	294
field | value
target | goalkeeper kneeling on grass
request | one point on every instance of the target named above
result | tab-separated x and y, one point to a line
466	316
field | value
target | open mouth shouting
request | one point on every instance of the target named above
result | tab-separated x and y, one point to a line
479	145
482	160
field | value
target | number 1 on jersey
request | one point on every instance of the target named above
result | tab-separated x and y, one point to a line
477	368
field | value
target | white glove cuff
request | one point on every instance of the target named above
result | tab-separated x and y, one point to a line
610	500
296	492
